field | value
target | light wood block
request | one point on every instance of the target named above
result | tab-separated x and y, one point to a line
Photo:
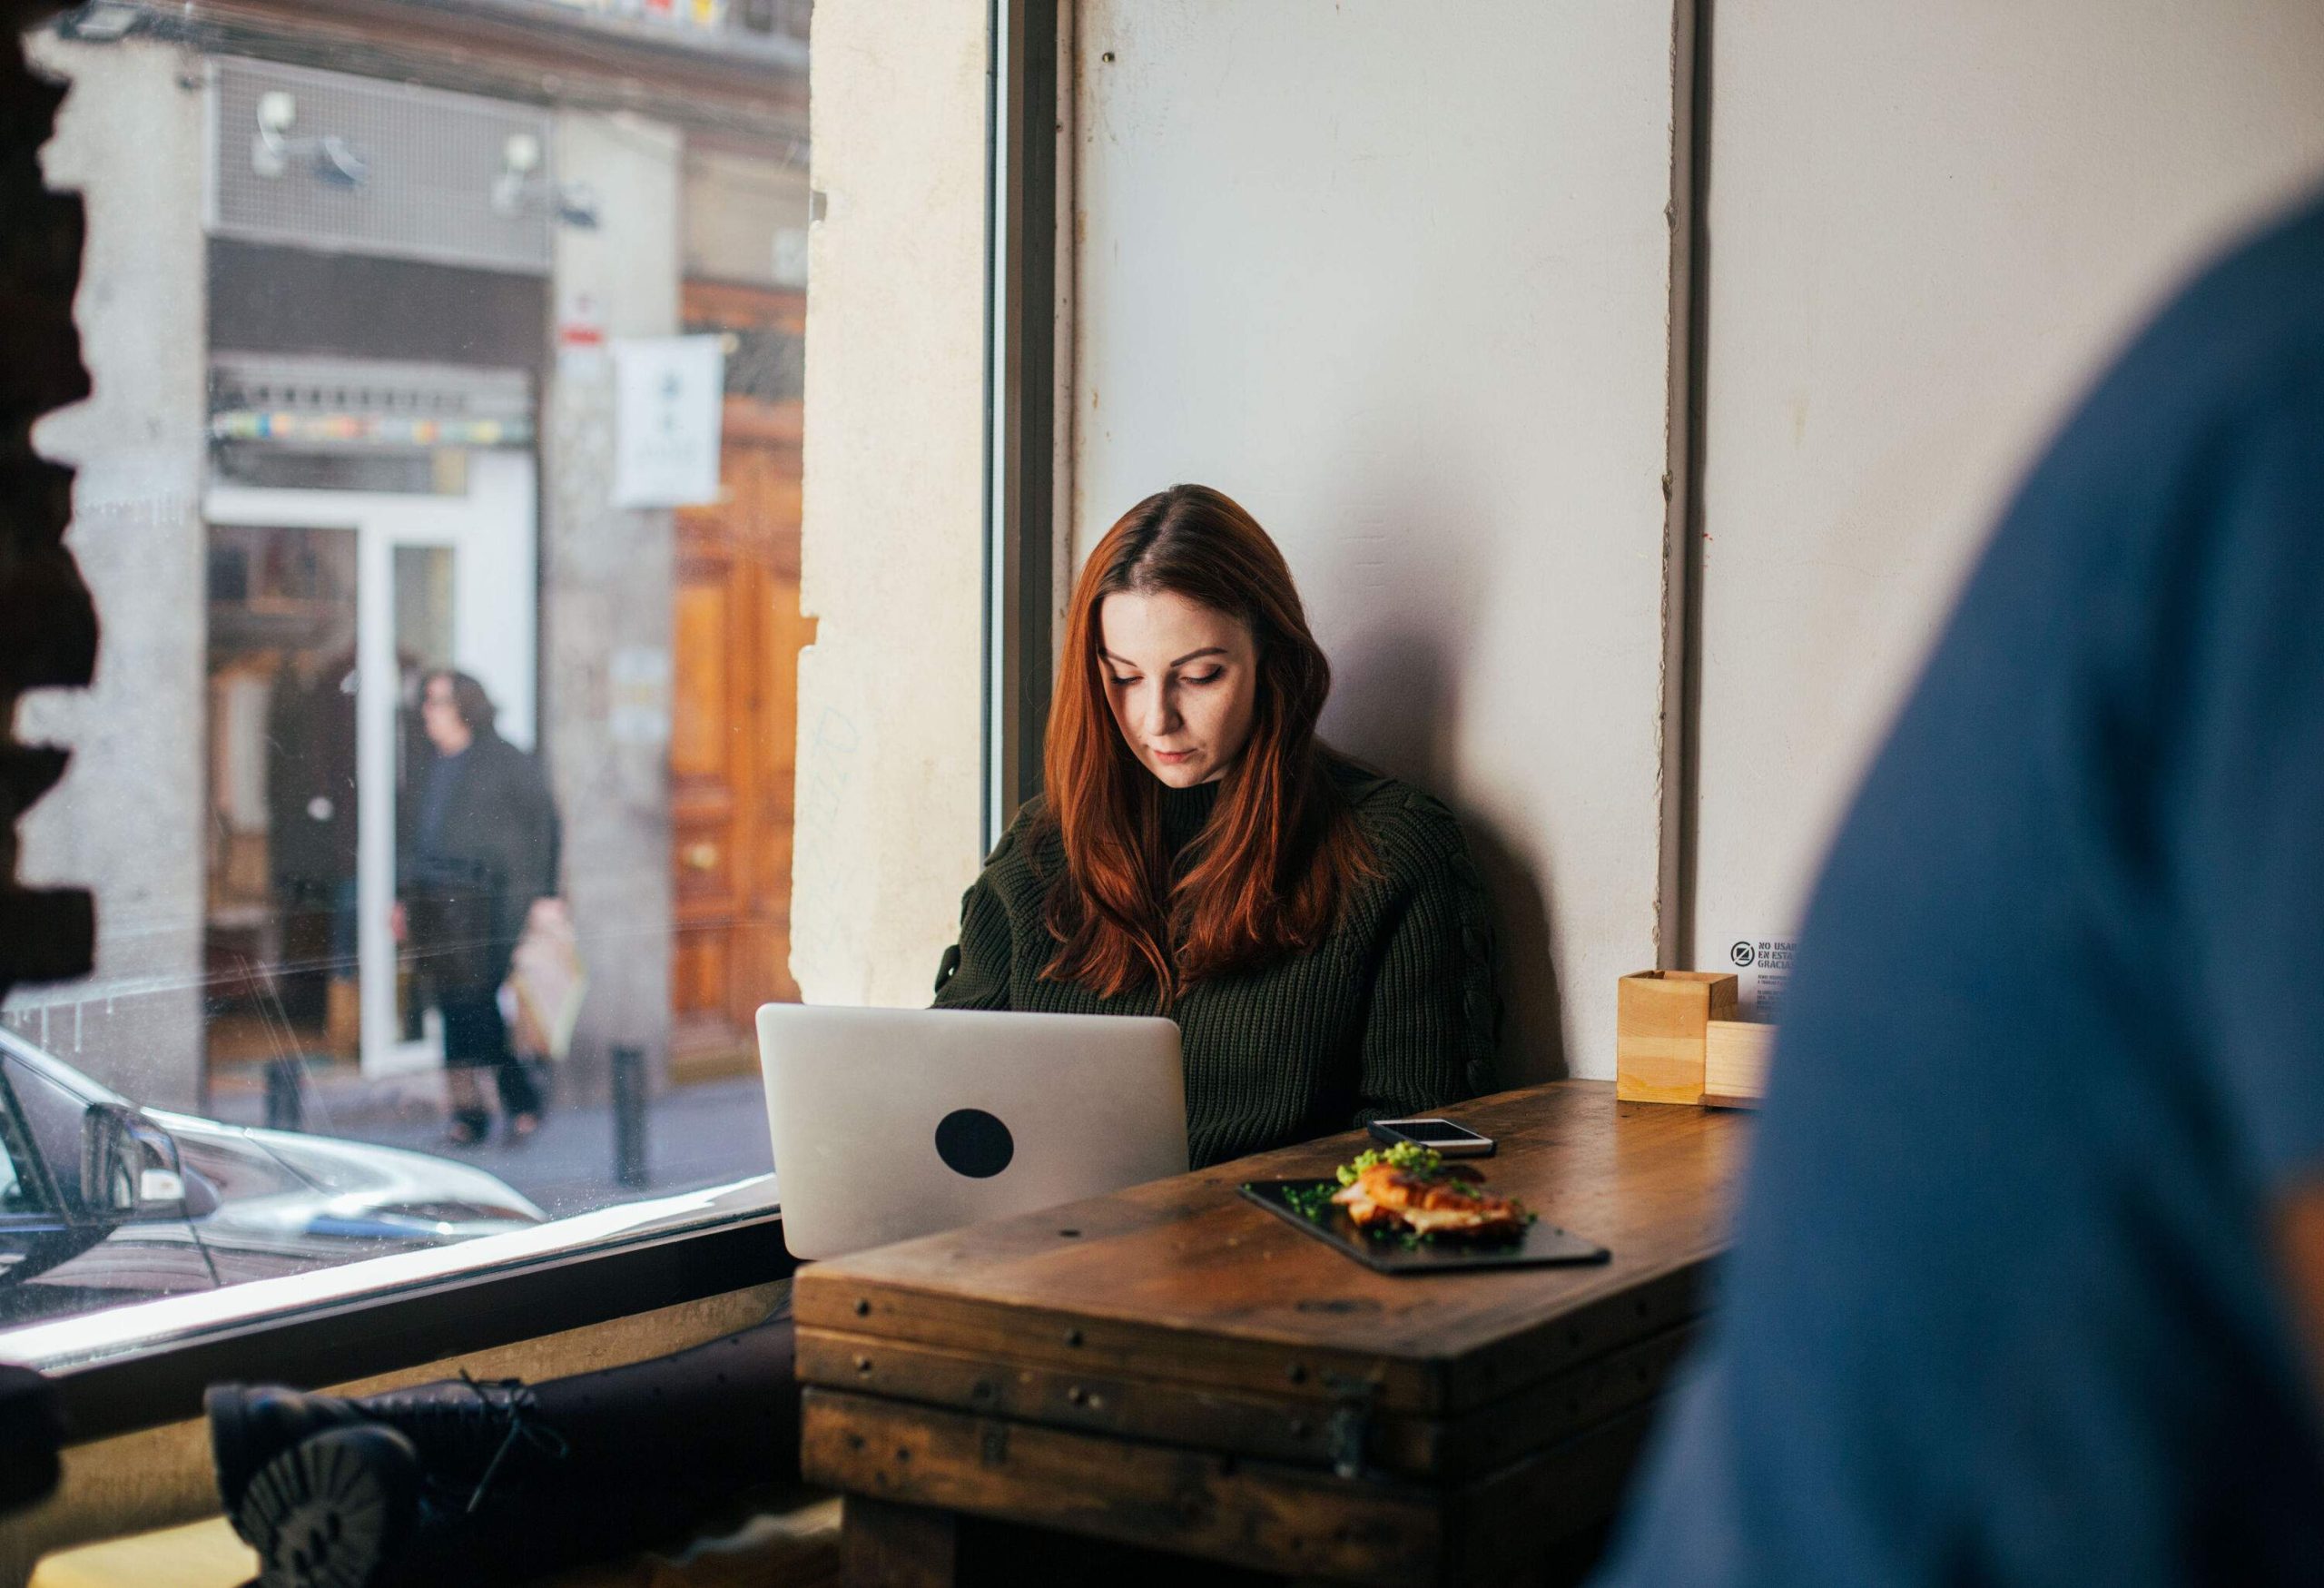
1660	1019
1735	1062
200	1554
799	1548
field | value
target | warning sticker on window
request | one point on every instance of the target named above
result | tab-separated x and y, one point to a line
1764	966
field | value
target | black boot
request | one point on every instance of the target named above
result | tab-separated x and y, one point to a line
506	1481
249	1427
334	1510
335	1492
464	1431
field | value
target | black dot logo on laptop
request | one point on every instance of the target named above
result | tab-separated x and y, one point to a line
974	1143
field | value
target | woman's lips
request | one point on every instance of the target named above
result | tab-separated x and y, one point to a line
1173	757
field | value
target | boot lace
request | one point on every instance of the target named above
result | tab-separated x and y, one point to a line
510	1401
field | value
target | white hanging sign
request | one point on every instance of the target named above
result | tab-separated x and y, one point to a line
669	393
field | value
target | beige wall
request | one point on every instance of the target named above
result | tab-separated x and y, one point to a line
1397	279
1929	225
890	697
128	820
607	577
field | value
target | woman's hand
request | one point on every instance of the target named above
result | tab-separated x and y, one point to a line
396	923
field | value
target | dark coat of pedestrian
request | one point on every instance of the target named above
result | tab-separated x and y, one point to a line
483	847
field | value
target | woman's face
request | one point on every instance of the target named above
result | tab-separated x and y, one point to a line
440	714
1182	678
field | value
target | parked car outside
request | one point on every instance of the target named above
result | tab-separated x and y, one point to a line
103	1202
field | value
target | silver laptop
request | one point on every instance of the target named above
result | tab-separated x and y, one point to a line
894	1122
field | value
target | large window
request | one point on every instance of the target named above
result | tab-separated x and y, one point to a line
440	497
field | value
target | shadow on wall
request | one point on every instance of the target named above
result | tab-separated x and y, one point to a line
1395	703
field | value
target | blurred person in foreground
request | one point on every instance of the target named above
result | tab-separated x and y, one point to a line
483	848
2028	1280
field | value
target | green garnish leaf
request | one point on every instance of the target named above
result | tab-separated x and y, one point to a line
1425	1163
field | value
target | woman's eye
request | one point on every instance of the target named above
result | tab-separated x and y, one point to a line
1213	676
1119	682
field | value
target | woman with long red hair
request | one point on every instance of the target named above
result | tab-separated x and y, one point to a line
1315	929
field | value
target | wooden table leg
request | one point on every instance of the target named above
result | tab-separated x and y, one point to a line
886	1545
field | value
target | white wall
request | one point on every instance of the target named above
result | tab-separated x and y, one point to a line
1929	225
1399	280
890	697
1396	279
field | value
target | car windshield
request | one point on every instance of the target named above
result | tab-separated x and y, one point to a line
72	1082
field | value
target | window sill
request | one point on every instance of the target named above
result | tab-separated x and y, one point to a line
147	1364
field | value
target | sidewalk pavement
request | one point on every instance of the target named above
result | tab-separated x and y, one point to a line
706	1134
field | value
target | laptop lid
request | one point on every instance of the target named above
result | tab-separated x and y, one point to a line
889	1123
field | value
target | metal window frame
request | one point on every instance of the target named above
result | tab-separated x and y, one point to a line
1680	735
1023	125
374	1334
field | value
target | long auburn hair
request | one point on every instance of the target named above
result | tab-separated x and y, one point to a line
1281	850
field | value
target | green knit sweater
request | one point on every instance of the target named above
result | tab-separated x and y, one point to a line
1394	1013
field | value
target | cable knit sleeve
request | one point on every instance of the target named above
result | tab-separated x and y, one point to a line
1434	1017
974	973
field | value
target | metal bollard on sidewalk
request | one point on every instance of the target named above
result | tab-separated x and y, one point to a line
629	1117
286	1094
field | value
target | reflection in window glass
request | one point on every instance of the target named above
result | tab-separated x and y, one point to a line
54	1117
439	494
20	1179
16	1193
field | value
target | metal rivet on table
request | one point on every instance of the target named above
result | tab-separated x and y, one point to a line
863	1364
1298	1373
1077	1396
1073	1336
863	1310
1299	1427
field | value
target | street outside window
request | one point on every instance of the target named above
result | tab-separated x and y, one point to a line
439	495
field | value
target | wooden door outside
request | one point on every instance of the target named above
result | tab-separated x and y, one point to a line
736	637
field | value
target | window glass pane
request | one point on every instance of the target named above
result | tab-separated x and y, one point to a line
15	1194
20	1185
440	496
55	1117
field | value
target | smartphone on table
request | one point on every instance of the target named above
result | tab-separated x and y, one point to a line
1441	1135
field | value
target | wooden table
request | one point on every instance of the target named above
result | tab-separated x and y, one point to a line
1172	1367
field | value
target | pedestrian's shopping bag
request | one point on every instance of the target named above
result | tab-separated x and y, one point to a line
545	982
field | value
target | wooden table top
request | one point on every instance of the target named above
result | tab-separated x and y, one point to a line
1185	1279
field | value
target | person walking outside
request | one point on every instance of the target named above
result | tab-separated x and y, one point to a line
483	847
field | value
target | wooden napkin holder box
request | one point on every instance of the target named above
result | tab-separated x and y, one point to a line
1661	1021
1735	1062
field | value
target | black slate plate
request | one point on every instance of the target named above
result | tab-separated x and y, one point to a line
1543	1244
